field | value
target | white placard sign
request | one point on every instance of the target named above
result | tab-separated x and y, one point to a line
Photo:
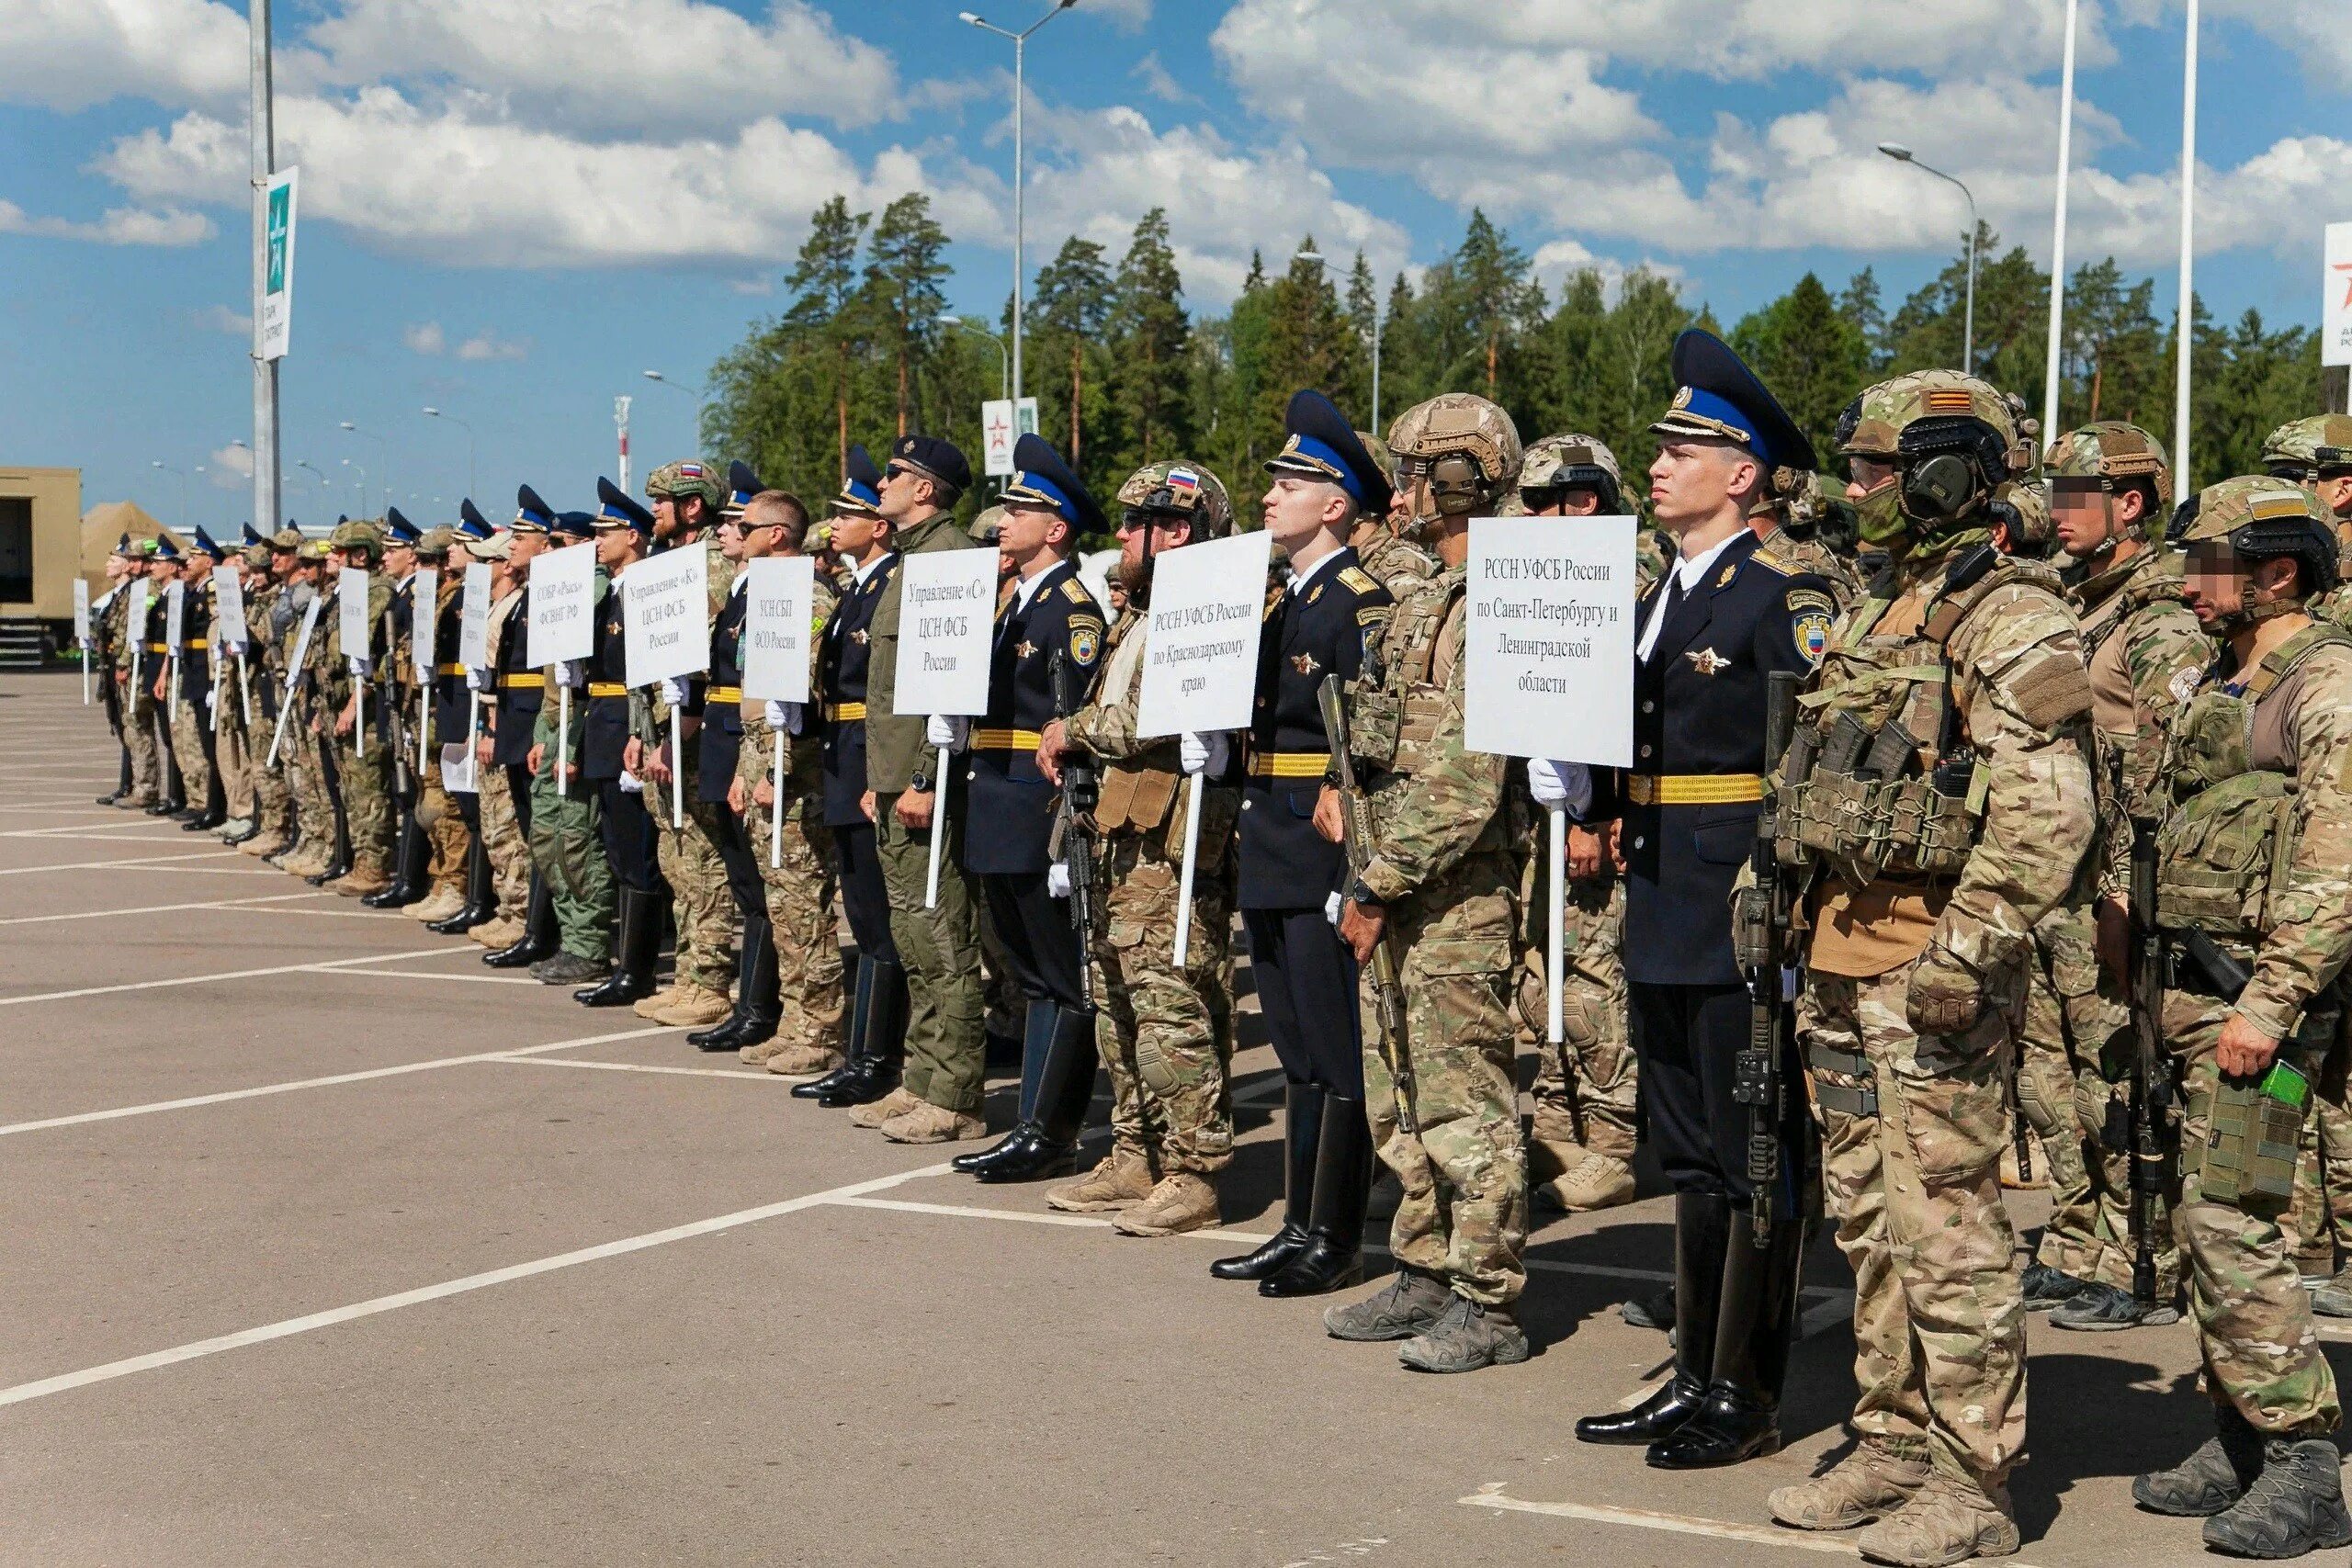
134	626
666	616
425	621
175	614
351	610
473	617
1549	661
277	323
563	605
229	629
82	611
2335	300
1200	661
946	619
776	628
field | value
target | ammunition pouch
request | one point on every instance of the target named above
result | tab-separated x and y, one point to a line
2224	858
1847	1099
1877	826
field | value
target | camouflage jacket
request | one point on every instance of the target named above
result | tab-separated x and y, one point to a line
1843	578
2335	605
1105	726
893	742
1398	565
1436	807
2146	653
648	709
329	660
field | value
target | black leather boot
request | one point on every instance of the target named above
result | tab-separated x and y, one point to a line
637	942
1333	1256
216	804
1701	1236
122	781
339	863
875	1070
1037	1041
541	936
860	975
411	864
481	896
1741	1417
1065	1089
1302	1135
758	1003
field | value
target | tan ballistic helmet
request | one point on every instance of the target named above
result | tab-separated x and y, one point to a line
1181	488
1466	448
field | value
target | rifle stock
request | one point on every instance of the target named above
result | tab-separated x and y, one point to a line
2147	1102
1081	786
1760	926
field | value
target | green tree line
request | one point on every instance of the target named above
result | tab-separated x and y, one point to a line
1124	373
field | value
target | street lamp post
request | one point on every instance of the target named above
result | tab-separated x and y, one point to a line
1020	61
1004	363
362	483
1902	154
692	389
461	424
369	435
2058	231
2185	342
159	463
324	484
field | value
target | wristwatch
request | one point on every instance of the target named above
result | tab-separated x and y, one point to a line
918	782
1359	894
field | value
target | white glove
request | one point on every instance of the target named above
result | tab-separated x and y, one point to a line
1057	880
359	665
631	783
673	692
952	732
1567	785
567	672
1204	750
482	680
1332	910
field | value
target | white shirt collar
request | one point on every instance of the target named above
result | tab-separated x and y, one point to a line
1299	579
742	580
1693	570
1027	588
861	572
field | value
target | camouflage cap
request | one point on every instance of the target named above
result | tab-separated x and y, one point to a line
2112	450
285	539
357	535
984	528
688	476
436	542
1182	489
257	557
1459	424
1563	462
313	551
1874	424
498	546
2308	445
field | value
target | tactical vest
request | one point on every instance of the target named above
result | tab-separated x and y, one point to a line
2225	850
1394	709
1880	778
2153	588
1136	794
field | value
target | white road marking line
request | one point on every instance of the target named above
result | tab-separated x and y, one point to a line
319	967
106	834
66	1382
649	1068
259	1090
960	1211
1491	1495
436	975
133	863
166	910
335	914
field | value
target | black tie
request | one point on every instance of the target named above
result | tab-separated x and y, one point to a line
1667	605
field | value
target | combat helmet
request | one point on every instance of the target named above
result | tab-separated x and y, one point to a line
2115	454
358	534
2263	518
1953	441
688	476
1571	462
1181	489
1456	454
2299	449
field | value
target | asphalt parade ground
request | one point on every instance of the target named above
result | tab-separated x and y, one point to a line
322	1243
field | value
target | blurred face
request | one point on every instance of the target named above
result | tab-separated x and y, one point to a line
1865	475
1297	508
2217	580
1577	502
1694	480
2079	513
1165	533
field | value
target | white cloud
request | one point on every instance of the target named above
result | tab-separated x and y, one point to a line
1156	80
1132	15
221	319
424	337
169	226
486	345
69	54
231	466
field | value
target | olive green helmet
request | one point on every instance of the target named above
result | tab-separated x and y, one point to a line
1953	442
1461	448
358	535
1181	488
688	476
984	526
2263	517
2117	453
2300	448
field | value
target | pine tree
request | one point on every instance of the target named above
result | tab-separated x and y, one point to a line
1859	304
1151	332
823	282
1809	352
1071	309
904	273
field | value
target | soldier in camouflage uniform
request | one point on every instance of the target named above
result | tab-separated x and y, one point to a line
686	496
1382	542
1437	883
108	614
191	719
2111	493
1580	1141
1164	1033
2316	453
568	857
135	668
362	759
233	740
1940	798
2251	858
301	749
1807	524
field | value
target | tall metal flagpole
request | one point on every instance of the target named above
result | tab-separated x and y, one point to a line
266	513
2188	234
2058	233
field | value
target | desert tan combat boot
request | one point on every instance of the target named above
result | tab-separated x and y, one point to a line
801	1061
1949	1519
1869	1483
444	903
898	1102
651	1007
1590	1181
368	875
1184	1201
694	1006
1122	1180
500	931
929	1123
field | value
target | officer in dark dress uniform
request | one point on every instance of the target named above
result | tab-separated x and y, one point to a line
1049	619
1330	613
196	679
860	536
1725	617
623	821
719	743
457	704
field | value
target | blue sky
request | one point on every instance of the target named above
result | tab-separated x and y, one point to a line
511	208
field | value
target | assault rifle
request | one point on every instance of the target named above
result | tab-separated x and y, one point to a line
1081	787
1761	919
395	728
2147	1103
1355	838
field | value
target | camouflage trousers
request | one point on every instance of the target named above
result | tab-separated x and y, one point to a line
2065	1026
568	851
187	745
366	778
701	904
1443	1092
304	753
2254	1321
941	950
444	827
800	914
147	780
1916	1190
1584	1087
502	835
2319	1226
1164	1033
232	749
